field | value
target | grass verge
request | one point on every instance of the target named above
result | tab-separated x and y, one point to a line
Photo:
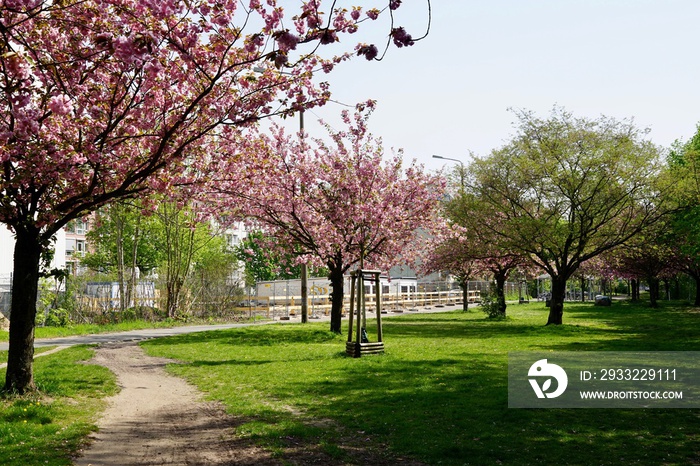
93	329
48	428
3	354
439	393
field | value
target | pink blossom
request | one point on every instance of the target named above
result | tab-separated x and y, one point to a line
128	97
369	51
22	4
401	37
287	41
328	36
60	104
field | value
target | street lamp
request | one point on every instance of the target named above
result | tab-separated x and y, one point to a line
462	169
448	158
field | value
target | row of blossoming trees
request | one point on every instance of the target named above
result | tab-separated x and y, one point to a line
112	99
573	197
105	100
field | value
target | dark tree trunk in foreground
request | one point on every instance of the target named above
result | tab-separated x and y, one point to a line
697	291
556	303
19	377
464	284
635	290
653	291
337	283
500	293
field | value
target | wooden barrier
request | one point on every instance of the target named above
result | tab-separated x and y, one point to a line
291	305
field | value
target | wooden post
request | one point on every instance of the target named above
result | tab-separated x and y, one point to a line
304	293
352	304
358	335
378	297
356	348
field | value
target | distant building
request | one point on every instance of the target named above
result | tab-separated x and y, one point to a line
320	287
7	248
76	243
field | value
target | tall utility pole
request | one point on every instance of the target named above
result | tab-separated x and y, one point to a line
304	267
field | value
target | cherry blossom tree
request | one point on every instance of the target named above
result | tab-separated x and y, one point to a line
449	252
108	99
647	256
338	204
467	251
468	246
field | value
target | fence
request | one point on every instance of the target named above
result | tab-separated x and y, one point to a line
398	298
98	302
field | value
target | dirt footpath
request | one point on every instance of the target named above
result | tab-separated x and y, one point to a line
158	419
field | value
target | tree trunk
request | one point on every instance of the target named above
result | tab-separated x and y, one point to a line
119	237
635	290
583	289
676	291
500	293
465	298
556	303
25	279
464	284
337	283
697	290
653	291
131	296
632	291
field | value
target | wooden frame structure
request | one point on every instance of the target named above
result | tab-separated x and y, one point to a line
360	345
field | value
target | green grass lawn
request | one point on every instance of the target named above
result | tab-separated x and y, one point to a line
48	427
439	394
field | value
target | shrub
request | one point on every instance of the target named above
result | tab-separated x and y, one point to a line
490	305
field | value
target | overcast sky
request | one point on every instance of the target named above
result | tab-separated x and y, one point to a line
450	93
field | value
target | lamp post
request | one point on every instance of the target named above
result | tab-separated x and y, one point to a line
465	291
448	158
461	167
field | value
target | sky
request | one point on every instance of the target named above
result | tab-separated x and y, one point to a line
450	94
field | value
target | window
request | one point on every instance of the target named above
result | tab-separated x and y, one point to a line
78	227
81	227
80	247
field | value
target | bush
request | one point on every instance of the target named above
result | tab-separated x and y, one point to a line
58	317
490	305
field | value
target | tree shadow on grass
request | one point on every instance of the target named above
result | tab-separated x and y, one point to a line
638	327
455	412
440	391
269	335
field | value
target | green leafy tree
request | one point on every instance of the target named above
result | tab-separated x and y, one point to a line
124	241
468	249
684	165
262	263
186	240
171	240
567	189
214	290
